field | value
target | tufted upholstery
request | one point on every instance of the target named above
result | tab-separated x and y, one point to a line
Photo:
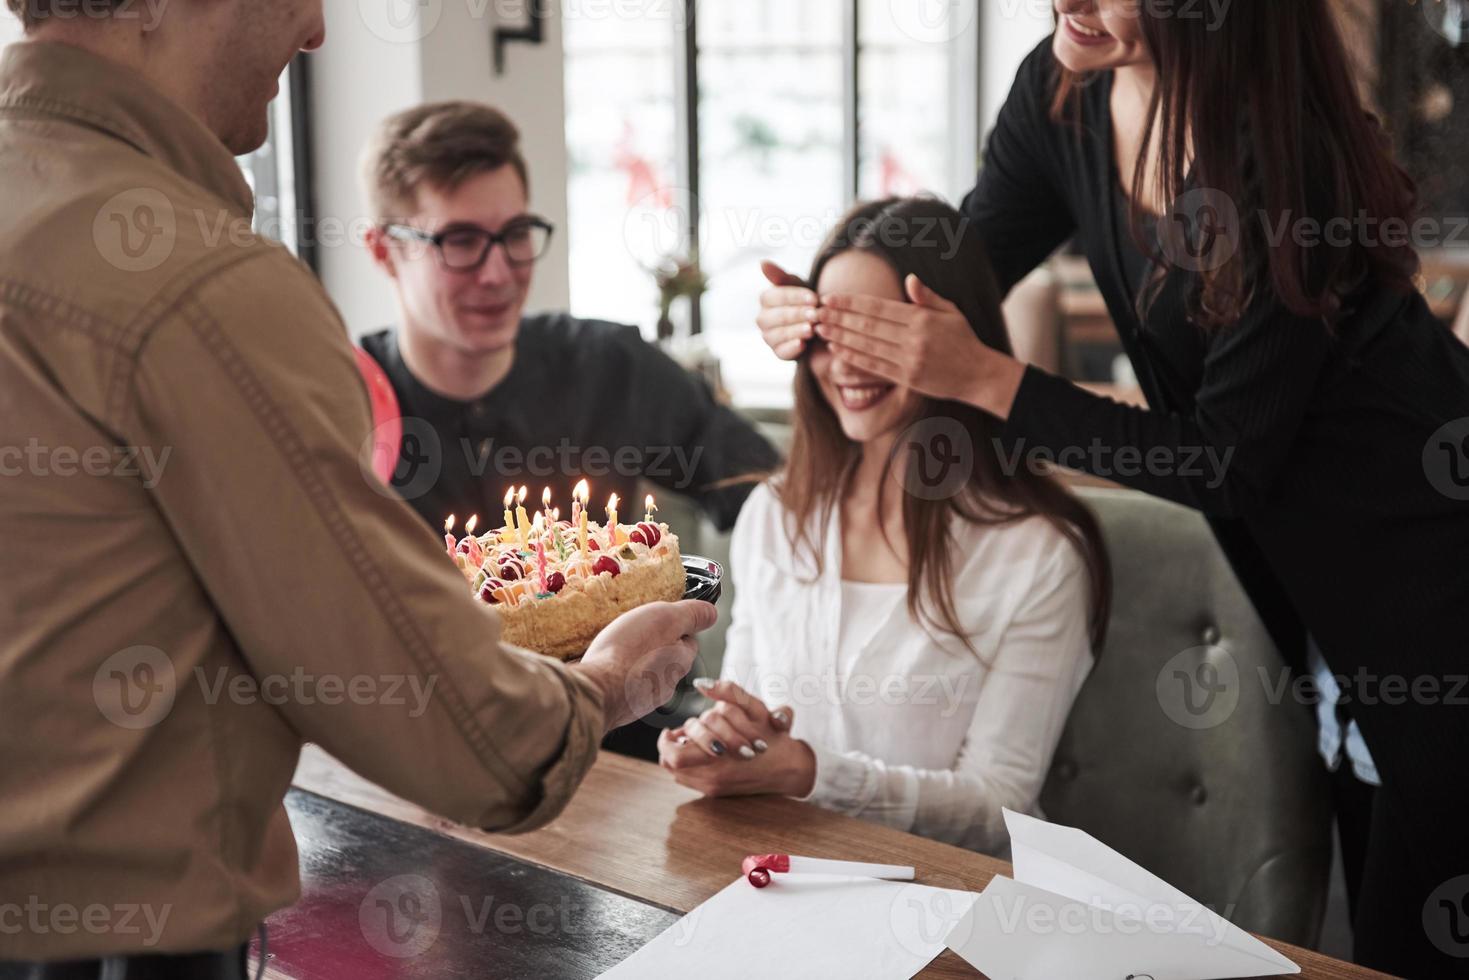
1224	798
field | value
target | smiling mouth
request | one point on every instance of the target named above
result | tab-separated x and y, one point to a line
1083	33
859	398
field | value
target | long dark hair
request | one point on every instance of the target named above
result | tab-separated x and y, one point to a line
1261	107
929	239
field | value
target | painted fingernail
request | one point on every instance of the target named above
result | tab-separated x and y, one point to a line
761	745
703	683
683	740
718	747
781	719
746	752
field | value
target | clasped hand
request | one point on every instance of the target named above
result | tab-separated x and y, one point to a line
738	747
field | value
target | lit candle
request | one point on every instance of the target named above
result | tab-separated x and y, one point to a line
475	554
612	522
579	497
540	554
509	517
448	535
650	508
522	522
546	502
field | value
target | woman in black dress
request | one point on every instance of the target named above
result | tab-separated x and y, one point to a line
1248	229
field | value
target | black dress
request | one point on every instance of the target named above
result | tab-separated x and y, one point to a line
1344	504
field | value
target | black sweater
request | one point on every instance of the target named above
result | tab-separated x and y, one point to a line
1344	506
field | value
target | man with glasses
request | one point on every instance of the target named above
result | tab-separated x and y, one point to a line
492	398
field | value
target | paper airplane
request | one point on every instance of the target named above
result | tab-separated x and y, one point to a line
1078	910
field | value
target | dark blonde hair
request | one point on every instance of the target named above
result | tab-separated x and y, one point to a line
440	145
929	239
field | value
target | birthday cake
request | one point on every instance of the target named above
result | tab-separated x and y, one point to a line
557	584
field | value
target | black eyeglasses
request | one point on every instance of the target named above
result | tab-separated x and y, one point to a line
466	249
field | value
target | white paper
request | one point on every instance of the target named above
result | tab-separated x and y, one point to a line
804	926
1078	910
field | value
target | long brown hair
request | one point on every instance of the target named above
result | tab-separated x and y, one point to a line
1261	107
931	240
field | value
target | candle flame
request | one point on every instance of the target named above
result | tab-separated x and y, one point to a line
546	498
555	513
537	523
469	524
612	502
520	497
449	524
509	497
582	491
651	506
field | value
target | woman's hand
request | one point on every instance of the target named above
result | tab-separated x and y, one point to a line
926	345
738	724
787	312
787	767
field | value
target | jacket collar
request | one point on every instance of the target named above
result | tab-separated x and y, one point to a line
60	80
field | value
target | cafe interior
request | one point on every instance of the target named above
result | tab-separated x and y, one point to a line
1167	803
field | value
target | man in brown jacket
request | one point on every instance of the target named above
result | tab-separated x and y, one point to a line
199	572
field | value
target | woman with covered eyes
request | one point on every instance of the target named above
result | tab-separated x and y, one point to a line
1248	228
909	632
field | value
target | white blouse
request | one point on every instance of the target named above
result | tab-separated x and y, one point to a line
909	728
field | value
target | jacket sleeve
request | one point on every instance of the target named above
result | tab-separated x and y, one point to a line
1222	457
318	570
1019	203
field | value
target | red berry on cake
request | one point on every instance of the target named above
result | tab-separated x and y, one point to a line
646	533
608	564
488	590
512	569
592	545
555	582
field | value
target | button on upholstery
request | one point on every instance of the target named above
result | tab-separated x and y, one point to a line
1211	635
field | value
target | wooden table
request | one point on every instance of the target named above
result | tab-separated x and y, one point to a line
634	831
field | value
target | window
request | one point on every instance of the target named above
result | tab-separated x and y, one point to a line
10	29
279	171
758	129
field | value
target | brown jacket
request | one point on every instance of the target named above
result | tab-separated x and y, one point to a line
199	571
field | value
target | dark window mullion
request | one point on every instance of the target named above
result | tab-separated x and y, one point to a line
852	76
687	92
